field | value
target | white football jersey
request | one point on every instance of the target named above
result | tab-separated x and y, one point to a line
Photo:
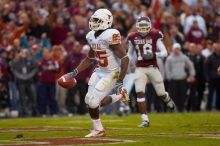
106	59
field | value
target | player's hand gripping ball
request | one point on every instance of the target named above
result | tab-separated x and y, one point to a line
67	81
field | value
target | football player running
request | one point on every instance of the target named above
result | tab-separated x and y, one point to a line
112	62
146	45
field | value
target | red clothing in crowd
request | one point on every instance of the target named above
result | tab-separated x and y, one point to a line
195	35
58	34
48	70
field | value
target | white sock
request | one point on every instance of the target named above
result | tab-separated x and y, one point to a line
115	97
144	117
97	125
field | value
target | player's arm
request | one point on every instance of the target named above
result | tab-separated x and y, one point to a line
162	49
84	64
131	54
120	53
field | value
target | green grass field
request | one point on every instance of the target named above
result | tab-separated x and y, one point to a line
175	129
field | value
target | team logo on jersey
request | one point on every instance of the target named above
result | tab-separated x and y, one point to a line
143	41
95	46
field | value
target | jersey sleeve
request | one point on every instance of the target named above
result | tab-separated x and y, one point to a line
129	37
113	37
159	35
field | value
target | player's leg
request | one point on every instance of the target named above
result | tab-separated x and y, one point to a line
123	95
140	84
93	108
110	99
97	91
157	81
128	84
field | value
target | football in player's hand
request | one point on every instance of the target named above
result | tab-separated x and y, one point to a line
66	81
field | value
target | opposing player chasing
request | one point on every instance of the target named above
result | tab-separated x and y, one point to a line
111	69
146	44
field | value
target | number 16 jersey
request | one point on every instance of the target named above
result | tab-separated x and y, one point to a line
106	59
140	44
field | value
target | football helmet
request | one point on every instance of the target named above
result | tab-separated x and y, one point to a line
101	20
143	25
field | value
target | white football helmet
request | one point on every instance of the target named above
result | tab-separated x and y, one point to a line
143	24
101	20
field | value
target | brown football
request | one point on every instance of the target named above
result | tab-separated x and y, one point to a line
66	81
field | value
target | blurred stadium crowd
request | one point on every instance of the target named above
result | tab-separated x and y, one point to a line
42	39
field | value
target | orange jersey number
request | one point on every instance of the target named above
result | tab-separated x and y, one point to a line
116	37
103	60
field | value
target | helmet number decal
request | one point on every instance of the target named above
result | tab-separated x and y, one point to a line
147	47
102	58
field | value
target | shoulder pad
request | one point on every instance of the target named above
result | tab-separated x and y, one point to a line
89	34
113	36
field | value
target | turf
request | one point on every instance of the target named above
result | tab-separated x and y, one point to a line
170	129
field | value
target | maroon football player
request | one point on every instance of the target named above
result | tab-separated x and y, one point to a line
145	45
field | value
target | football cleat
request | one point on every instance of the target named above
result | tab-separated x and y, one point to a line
96	133
170	104
144	124
125	98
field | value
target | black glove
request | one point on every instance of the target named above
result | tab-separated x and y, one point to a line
118	86
148	55
73	73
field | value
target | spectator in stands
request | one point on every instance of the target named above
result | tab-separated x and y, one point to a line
176	36
47	84
190	20
69	42
4	99
80	29
58	32
36	52
24	68
195	34
208	50
71	61
59	54
40	27
10	55
196	88
212	65
176	65
214	29
4	92
3	66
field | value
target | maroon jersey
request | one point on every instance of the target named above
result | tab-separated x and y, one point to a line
48	70
142	43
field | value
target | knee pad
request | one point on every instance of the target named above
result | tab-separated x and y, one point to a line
92	102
